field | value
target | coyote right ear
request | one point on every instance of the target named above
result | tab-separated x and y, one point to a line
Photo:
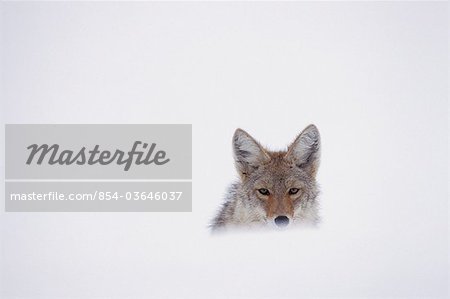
248	153
305	150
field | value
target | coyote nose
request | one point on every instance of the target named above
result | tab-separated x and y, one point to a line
281	221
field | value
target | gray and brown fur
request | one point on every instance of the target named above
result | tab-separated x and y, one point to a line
278	175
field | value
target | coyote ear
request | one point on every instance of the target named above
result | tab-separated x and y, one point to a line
305	150
248	153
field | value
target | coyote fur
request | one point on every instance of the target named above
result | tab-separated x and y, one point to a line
276	189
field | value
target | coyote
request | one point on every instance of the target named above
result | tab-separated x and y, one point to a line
275	188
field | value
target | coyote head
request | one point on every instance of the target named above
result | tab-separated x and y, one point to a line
279	187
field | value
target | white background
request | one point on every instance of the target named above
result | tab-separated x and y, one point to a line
371	76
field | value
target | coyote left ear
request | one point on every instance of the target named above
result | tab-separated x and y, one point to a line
305	150
248	153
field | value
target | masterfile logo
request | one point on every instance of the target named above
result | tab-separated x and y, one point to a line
94	156
98	151
98	167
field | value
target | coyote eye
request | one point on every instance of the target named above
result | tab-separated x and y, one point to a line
293	191
264	191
